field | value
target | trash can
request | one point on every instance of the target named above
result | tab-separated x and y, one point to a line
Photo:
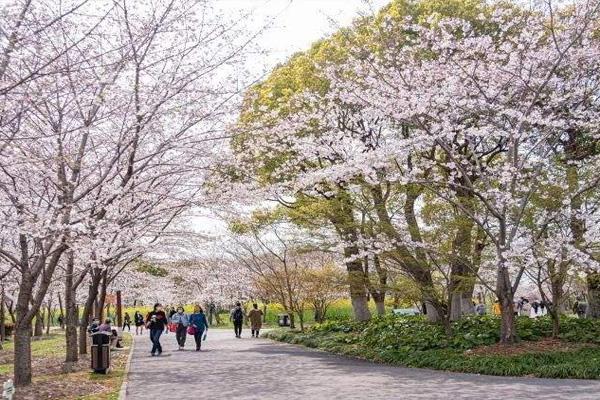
100	352
284	320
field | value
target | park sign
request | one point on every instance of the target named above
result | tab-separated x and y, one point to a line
8	390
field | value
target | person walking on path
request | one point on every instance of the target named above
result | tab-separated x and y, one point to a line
169	311
127	322
237	317
156	321
138	319
199	324
255	315
181	321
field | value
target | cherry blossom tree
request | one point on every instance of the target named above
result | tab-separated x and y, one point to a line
106	114
471	112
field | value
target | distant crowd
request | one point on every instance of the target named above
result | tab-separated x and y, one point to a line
163	320
521	307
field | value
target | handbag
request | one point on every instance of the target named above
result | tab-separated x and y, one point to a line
191	330
172	327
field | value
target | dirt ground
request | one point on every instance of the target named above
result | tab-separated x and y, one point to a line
525	347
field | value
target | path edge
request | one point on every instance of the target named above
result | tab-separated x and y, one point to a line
123	390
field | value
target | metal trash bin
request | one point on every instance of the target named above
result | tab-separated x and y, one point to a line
100	352
284	320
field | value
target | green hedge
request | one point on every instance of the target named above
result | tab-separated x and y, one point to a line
415	342
415	333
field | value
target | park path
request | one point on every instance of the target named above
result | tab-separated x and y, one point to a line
239	369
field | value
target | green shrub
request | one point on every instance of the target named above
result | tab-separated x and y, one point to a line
415	342
414	333
580	330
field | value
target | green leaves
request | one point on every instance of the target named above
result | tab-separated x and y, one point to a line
414	342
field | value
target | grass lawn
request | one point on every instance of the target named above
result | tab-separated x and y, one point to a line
413	342
49	382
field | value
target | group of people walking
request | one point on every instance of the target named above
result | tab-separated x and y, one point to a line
255	316
522	307
138	320
159	321
532	309
194	324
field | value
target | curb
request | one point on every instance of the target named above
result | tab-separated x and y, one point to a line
123	391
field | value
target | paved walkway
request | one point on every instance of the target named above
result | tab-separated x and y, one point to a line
237	369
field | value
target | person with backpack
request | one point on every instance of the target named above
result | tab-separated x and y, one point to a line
198	326
169	311
181	321
237	317
156	321
126	322
138	319
255	316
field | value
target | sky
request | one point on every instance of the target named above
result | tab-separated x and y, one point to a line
298	23
293	26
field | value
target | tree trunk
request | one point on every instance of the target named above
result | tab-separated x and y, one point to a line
396	297
61	312
506	297
22	362
507	328
11	312
461	303
38	330
378	293
462	269
70	318
433	314
379	299
2	317
49	317
292	320
593	294
555	323
88	309
344	222
301	320
102	296
358	287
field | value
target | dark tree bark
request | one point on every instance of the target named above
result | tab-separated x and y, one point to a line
416	263
593	294
102	296
61	312
345	225
70	318
462	274
36	276
506	297
49	316
2	318
88	309
38	330
22	345
357	285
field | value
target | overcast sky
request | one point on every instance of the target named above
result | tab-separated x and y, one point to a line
298	23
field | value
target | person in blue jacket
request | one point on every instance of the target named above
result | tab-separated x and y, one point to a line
181	321
200	324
